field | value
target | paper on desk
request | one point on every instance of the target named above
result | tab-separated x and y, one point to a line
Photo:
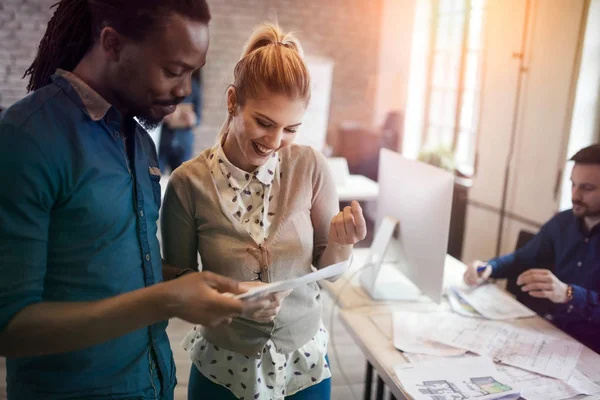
589	364
419	358
508	344
538	387
451	379
408	335
494	303
323	273
460	306
533	386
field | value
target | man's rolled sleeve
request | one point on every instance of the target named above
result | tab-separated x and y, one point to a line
26	200
585	304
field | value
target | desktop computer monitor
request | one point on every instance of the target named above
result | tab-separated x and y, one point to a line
418	197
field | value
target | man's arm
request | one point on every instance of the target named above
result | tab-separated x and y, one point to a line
571	299
585	304
28	325
537	253
53	327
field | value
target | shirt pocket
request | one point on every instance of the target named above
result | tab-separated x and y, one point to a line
154	173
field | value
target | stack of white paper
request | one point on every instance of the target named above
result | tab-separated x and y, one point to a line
408	335
452	379
493	303
588	362
460	306
533	386
281	286
539	387
508	344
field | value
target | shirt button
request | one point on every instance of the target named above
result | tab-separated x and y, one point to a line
280	351
142	213
579	264
586	240
116	133
147	257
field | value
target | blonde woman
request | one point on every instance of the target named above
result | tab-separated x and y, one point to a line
259	209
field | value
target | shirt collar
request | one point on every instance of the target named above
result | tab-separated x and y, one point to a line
239	178
583	228
94	104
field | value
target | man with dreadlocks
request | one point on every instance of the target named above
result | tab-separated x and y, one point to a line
82	302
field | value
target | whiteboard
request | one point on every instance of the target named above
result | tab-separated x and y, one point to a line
313	131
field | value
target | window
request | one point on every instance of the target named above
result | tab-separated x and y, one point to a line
454	79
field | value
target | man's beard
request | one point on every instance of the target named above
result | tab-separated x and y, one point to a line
148	123
585	210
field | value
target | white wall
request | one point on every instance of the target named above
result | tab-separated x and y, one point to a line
546	107
397	26
586	112
532	98
417	80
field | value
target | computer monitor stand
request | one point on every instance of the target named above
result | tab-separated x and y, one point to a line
390	284
381	276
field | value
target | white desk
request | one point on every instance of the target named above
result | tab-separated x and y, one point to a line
348	292
370	325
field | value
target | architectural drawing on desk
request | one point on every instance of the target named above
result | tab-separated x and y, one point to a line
460	306
446	390
441	390
489	385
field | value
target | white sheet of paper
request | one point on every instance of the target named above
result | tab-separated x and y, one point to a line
538	387
508	344
460	306
494	303
589	364
408	335
450	379
323	273
533	386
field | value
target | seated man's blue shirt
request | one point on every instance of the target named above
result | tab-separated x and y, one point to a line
564	246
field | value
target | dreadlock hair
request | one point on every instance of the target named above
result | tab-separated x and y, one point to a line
77	24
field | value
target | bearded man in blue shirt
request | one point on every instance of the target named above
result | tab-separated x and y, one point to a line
562	262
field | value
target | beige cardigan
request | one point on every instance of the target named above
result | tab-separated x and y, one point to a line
194	220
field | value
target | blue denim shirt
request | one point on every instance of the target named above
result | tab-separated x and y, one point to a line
78	222
573	255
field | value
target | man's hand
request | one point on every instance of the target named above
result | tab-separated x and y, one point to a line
472	277
205	298
268	313
543	284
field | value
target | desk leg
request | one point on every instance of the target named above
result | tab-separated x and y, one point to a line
380	388
368	381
